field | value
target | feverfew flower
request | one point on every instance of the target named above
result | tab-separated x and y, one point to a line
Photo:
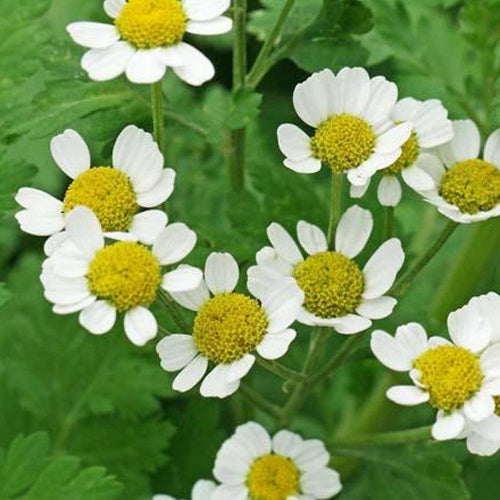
85	275
147	36
229	326
430	128
114	193
353	131
202	490
252	465
337	292
459	378
468	190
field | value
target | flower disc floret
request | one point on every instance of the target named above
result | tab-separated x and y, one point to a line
332	283
343	142
127	274
472	186
451	375
497	405
228	326
152	23
273	477
409	154
108	192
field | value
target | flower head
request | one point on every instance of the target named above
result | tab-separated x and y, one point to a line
85	275
338	293
114	193
147	37
430	128
252	465
353	131
468	189
229	326
460	378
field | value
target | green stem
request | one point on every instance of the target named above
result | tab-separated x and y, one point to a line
389	222
335	206
404	282
157	112
174	312
385	438
260	67
238	137
280	370
254	398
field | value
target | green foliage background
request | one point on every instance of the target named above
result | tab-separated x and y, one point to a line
85	417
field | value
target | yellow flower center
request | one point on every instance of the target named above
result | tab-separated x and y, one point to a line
343	142
451	375
152	23
497	405
273	477
409	154
472	186
126	274
332	284
228	326
108	192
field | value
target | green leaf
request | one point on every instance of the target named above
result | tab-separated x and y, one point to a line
28	472
5	295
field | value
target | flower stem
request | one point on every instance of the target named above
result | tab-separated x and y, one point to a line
280	370
385	438
261	66
174	312
238	137
157	112
259	401
389	222
335	206
404	282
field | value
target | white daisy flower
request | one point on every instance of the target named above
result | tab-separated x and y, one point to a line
202	490
460	378
353	131
228	327
468	190
430	128
115	194
85	275
146	38
252	465
338	293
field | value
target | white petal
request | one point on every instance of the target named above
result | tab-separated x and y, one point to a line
490	361
383	96
71	153
432	166
202	490
353	231
389	191
378	308
479	407
73	308
282	303
183	279
69	261
393	139
275	345
84	230
197	68
480	446
193	299
468	329
465	144
217	385
359	191
350	324
221	273
286	442
488	307
381	270
230	492
283	243
136	154
114	7
307	166
98	318
310	454
321	483
216	26
312	98
106	64
390	352
413	338
37	224
489	428
492	148
146	66
174	243
293	142
351	91
39	201
93	35
448	426
417	178
53	242
407	395
160	192
148	225
140	325
432	125
311	237
176	351
238	369
191	374
203	11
